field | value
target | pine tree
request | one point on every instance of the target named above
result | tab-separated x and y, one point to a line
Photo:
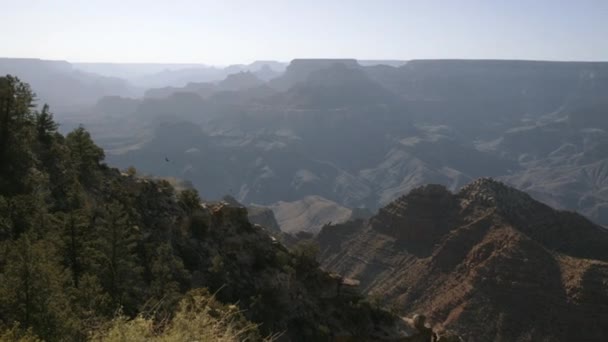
16	102
167	276
16	133
189	200
32	286
85	155
116	256
75	236
46	127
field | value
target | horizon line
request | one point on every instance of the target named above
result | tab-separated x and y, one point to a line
311	58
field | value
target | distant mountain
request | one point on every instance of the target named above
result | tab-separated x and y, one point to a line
180	77
492	94
132	71
158	75
361	136
266	73
337	85
262	64
241	86
488	261
61	85
116	106
256	66
203	89
300	69
240	81
388	62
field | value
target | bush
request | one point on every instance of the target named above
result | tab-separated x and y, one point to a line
306	252
189	200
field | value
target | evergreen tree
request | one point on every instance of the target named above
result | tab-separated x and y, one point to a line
32	288
167	275
116	256
189	200
75	236
46	127
16	133
85	155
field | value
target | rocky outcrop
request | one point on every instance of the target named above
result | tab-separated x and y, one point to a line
488	262
264	217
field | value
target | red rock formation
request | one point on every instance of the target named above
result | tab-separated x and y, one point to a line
488	262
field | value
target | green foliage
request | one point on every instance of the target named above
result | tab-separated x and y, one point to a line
6	222
198	225
90	305
282	259
168	278
31	288
46	127
74	242
17	214
189	200
85	155
17	134
116	260
306	252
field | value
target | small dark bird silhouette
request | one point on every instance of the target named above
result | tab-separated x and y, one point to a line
167	159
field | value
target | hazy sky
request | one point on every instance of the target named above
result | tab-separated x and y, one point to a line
224	31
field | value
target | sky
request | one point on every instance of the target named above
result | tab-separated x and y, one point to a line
225	32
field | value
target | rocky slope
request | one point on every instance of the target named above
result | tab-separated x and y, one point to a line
488	261
309	214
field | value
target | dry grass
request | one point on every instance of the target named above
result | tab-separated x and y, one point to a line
199	318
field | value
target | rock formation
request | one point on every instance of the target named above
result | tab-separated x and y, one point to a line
489	262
